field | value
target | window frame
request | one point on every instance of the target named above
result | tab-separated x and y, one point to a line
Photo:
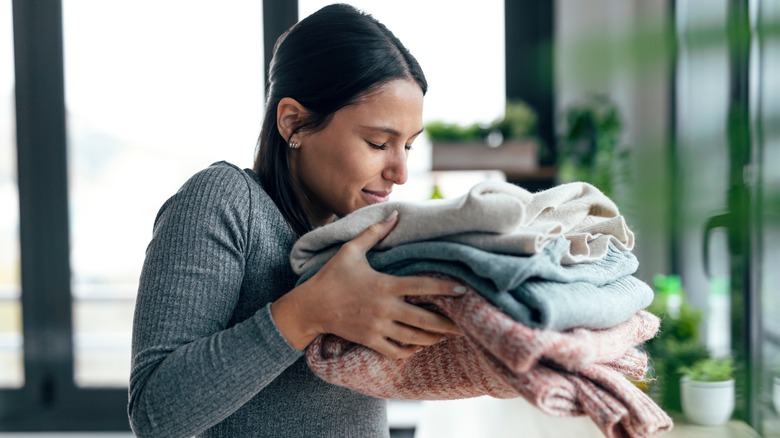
49	399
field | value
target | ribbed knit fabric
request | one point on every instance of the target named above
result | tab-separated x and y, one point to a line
207	358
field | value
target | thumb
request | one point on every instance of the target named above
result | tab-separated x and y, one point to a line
375	232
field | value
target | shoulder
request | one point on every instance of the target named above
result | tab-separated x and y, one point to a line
223	183
226	187
221	188
222	200
229	179
219	178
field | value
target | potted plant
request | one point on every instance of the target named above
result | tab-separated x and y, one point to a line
677	343
509	144
707	390
589	144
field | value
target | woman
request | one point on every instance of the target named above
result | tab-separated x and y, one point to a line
220	326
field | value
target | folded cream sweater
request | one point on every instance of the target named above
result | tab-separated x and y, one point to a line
493	216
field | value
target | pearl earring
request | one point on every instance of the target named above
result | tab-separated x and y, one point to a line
294	144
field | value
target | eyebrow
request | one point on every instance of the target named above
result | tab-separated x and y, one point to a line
390	131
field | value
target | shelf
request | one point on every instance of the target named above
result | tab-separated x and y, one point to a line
518	160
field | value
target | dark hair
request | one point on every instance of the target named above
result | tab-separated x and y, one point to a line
327	61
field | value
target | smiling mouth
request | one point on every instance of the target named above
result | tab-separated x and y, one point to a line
375	197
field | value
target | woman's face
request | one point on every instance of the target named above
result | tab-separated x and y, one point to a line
361	154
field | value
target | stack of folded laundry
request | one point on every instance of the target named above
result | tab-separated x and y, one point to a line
554	315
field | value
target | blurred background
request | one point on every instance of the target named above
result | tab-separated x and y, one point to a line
671	107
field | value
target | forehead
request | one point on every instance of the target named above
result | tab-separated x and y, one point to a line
394	89
398	102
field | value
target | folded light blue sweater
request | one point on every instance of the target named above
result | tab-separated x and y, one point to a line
536	290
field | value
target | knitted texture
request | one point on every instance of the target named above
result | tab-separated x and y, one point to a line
562	373
615	405
493	216
208	359
536	290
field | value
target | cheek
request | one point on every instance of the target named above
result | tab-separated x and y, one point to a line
329	175
340	165
353	166
359	171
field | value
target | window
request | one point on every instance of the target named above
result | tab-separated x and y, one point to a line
11	364
702	109
147	106
769	114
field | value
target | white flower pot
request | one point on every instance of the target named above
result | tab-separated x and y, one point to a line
776	394
707	403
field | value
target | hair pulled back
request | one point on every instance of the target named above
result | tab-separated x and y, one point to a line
327	61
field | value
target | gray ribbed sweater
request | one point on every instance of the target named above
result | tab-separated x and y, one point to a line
208	359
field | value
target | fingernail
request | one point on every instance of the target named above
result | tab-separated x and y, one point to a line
460	289
391	216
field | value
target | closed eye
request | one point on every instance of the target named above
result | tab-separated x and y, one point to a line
383	146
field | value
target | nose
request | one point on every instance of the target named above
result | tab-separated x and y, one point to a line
395	168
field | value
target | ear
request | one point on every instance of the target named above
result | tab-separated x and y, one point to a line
289	115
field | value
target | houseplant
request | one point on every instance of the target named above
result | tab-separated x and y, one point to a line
589	144
518	123
707	390
677	343
509	144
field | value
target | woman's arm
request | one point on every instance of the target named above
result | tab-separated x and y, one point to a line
190	371
351	300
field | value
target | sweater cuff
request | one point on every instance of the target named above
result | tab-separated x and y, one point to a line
270	333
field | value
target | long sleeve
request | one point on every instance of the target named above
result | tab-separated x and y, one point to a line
194	362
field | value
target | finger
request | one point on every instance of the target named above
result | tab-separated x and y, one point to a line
374	233
419	318
394	350
407	335
429	286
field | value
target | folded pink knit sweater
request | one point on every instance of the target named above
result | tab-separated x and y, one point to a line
579	372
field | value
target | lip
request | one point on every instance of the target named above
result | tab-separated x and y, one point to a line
375	197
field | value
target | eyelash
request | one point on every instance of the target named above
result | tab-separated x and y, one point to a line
383	147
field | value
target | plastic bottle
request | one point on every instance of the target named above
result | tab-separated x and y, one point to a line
719	317
670	290
436	192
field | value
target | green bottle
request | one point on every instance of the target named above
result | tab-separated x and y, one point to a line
436	194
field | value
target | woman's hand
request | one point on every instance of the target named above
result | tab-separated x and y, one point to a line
349	299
